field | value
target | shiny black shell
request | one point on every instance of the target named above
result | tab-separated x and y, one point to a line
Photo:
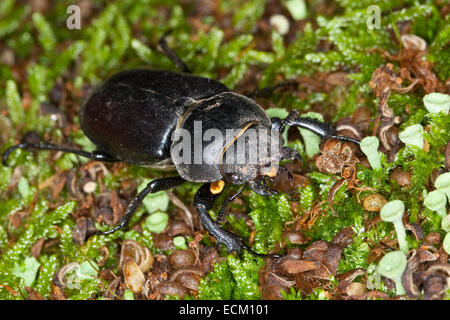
133	114
227	110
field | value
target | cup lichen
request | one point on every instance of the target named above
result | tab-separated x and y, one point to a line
436	102
180	243
393	212
442	183
369	146
128	295
392	266
412	135
446	243
157	222
445	223
436	201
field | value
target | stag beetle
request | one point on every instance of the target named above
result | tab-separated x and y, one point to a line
132	118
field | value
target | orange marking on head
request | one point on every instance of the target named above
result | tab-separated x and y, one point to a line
217	186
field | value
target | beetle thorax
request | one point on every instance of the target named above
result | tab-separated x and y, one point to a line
226	137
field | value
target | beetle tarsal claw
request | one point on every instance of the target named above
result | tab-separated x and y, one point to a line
260	187
290	154
217	186
289	174
267	187
233	243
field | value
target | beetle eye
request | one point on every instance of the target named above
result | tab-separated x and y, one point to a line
236	178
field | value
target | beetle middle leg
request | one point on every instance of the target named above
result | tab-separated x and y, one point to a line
152	187
203	202
94	155
229	199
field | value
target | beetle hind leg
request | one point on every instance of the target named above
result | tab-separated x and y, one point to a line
267	92
95	155
171	54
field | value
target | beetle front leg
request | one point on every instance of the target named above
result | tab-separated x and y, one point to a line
203	202
152	187
323	129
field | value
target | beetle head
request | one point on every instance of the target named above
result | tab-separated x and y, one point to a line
252	156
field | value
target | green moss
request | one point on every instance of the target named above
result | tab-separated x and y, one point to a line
49	265
317	294
217	285
233	279
269	216
306	198
245	276
239	226
354	255
326	226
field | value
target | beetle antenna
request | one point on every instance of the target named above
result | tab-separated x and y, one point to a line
263	255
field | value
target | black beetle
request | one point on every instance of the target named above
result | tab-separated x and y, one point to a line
132	118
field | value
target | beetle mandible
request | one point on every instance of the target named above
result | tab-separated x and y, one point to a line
132	118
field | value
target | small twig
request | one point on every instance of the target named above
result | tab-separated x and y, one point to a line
180	204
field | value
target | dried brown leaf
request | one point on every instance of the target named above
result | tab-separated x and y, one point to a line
134	278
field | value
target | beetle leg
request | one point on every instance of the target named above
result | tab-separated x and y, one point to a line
171	54
268	91
203	202
289	174
95	155
267	187
323	129
258	187
152	187
226	202
277	123
290	154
